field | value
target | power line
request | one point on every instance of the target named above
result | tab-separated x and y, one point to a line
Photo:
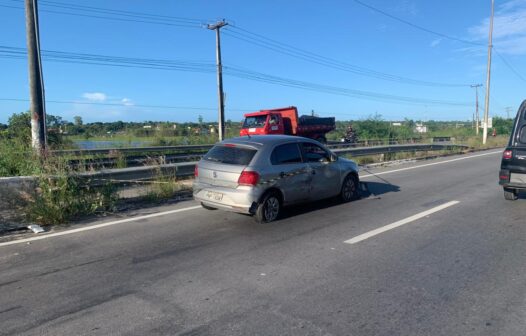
123	105
257	76
289	50
427	30
118	16
57	56
509	65
243	35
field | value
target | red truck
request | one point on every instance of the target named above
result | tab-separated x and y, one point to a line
286	121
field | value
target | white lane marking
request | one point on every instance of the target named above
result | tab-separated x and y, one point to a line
394	225
98	226
428	164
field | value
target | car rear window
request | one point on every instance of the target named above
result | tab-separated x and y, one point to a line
230	155
285	154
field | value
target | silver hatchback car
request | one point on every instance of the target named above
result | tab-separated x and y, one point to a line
258	175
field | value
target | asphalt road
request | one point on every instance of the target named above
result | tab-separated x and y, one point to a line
460	270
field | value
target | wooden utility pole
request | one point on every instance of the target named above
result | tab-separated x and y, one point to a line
477	118
488	77
36	82
221	119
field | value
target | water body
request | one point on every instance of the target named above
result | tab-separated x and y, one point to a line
93	144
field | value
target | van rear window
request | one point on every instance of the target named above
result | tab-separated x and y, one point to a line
230	155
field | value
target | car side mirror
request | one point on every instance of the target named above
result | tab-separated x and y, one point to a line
334	157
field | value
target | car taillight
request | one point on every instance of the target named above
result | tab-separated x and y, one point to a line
196	171
507	155
250	178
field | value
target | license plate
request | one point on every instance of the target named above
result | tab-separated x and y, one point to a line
252	129
214	196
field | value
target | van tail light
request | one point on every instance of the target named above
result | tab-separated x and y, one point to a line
196	171
507	155
249	178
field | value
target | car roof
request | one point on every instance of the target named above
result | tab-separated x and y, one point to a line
264	140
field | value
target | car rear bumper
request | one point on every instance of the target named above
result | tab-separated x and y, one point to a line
512	180
241	199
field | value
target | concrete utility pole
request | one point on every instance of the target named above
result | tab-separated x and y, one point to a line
36	81
221	122
477	118
488	78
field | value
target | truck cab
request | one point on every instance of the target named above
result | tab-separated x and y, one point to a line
260	123
286	121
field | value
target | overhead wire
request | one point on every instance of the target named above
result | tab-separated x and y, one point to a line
114	15
124	105
509	66
57	56
413	25
246	36
289	50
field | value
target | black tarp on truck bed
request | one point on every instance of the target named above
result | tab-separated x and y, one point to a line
309	120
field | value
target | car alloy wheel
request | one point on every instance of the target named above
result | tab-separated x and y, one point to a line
349	189
269	209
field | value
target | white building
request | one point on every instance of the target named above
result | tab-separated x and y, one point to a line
420	128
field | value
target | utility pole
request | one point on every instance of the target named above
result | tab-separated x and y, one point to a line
477	119
221	121
508	110
488	78
36	81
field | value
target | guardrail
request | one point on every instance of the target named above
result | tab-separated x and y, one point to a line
13	186
205	147
107	151
184	169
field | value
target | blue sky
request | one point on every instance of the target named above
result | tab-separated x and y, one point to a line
342	30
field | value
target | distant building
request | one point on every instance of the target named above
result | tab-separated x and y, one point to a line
396	124
420	128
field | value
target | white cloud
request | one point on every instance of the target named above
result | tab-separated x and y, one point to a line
434	43
95	96
509	28
127	102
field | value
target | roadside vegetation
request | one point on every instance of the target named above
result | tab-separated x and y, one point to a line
16	158
62	193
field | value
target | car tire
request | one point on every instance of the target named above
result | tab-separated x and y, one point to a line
510	194
350	190
269	208
207	207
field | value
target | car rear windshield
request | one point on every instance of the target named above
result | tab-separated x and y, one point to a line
230	155
257	121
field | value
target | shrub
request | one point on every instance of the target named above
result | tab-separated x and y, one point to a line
63	195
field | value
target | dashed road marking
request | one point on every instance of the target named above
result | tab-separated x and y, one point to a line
399	223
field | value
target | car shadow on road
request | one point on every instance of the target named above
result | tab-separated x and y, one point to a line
367	189
376	189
